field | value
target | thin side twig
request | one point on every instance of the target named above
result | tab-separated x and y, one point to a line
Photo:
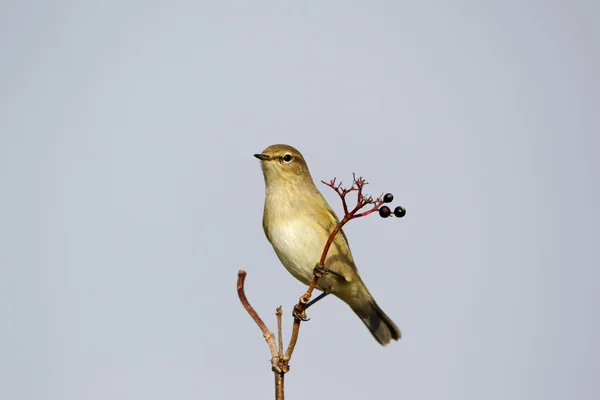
278	314
268	335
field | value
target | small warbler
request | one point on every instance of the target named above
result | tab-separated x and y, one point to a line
298	221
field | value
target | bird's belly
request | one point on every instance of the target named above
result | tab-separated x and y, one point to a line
298	245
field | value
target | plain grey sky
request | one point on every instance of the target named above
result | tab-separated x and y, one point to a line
130	198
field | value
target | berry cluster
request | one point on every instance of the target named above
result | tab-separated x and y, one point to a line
384	211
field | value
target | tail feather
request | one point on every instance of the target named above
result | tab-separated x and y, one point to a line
380	325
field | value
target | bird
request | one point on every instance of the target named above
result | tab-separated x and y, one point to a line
297	221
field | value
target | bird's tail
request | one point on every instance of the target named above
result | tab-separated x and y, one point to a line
380	325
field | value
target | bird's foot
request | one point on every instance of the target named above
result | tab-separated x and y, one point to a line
300	314
319	271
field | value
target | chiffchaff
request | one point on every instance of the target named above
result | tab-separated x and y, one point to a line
298	221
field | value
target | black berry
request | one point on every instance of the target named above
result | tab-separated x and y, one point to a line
399	212
384	211
388	198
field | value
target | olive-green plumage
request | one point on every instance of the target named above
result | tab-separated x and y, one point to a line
298	221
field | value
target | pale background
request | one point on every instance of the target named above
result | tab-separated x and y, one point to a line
129	196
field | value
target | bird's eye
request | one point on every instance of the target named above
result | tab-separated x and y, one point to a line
287	158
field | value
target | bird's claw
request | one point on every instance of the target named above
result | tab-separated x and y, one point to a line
300	314
319	271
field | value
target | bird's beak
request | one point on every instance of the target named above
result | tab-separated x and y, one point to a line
262	157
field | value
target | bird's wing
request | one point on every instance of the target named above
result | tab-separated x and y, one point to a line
339	257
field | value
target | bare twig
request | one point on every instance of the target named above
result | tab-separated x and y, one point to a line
279	313
268	335
293	340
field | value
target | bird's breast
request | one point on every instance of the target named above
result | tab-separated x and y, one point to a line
298	243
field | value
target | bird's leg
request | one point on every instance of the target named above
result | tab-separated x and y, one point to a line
337	275
313	301
318	271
